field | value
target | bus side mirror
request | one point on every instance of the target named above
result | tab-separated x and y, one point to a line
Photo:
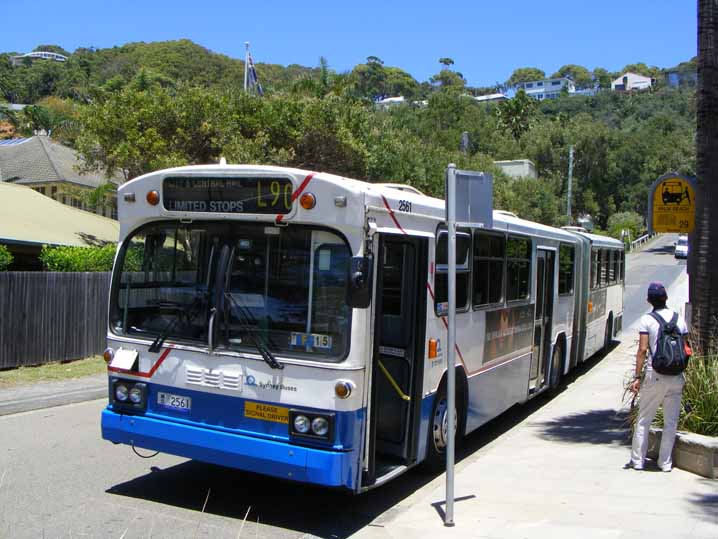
360	282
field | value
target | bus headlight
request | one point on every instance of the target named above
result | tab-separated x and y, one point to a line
320	426
136	395
121	392
310	425
128	395
301	424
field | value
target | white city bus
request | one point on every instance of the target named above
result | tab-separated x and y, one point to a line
293	323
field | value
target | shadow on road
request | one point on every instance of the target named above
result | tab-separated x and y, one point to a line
593	427
706	505
306	509
668	249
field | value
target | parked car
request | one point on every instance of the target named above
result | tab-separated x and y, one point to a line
681	250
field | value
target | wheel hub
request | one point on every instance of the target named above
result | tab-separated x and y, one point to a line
440	426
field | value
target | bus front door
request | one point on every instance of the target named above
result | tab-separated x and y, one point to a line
397	362
543	318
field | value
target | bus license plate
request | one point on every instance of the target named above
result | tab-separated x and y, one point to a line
178	403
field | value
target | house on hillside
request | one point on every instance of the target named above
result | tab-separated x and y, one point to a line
547	88
631	81
491	98
675	78
29	220
387	102
51	169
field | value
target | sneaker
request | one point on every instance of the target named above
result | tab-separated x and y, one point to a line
666	469
631	466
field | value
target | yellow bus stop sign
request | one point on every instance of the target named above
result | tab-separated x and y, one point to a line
672	205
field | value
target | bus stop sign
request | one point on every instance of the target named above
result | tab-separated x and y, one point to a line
672	204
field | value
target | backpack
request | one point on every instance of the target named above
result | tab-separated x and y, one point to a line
670	356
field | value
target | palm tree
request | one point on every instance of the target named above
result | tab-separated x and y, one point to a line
704	255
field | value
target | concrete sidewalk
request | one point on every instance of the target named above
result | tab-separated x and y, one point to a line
559	474
26	397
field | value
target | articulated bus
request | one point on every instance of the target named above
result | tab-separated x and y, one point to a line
294	324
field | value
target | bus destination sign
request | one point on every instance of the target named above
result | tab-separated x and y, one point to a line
264	195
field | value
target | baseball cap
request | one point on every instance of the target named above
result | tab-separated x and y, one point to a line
657	290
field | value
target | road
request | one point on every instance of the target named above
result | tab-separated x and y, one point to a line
59	479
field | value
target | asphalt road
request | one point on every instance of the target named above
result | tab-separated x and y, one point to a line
59	479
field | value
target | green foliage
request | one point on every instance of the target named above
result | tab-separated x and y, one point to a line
5	258
580	75
60	258
602	77
525	74
629	221
699	412
515	115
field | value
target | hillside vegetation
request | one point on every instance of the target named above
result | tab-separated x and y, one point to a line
143	106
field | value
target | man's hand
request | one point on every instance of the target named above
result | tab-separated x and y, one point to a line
636	385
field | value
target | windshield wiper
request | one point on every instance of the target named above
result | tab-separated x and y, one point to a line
192	311
259	344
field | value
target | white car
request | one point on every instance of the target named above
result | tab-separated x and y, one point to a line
681	247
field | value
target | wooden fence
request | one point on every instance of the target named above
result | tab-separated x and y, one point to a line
48	316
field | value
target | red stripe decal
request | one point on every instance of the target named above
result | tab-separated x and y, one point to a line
295	194
391	214
144	374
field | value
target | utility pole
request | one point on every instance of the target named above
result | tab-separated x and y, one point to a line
570	182
246	64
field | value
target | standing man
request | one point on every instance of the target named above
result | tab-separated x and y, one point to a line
656	388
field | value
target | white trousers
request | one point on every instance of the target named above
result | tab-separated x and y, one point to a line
657	389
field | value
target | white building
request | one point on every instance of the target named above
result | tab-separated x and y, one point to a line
518	168
547	88
491	98
631	81
387	102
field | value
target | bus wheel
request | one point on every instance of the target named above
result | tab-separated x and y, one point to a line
556	358
608	337
439	432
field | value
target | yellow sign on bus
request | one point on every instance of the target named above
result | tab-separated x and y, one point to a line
673	205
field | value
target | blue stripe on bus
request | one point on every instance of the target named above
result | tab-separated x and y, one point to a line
226	413
274	458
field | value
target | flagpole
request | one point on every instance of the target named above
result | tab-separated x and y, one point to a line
246	63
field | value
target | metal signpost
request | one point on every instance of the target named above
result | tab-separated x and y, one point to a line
475	191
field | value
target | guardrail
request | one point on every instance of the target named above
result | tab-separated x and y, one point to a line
642	240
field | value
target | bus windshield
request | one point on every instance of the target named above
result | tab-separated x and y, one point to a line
285	287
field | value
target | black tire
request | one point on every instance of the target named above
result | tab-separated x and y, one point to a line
556	366
436	439
608	337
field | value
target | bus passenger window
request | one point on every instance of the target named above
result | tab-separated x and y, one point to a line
603	265
518	268
463	270
566	261
489	254
594	268
611	266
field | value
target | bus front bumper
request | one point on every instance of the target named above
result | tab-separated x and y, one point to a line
278	459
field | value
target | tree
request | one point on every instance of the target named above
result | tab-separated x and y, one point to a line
579	74
601	77
446	62
525	74
704	255
447	79
515	115
5	258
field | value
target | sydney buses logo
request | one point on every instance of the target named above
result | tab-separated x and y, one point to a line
271	386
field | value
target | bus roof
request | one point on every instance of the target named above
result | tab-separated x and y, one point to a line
377	195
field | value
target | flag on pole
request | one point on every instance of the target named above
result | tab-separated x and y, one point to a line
252	75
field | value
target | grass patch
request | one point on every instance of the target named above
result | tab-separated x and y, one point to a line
53	371
699	402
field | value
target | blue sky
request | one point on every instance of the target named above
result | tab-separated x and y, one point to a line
486	39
